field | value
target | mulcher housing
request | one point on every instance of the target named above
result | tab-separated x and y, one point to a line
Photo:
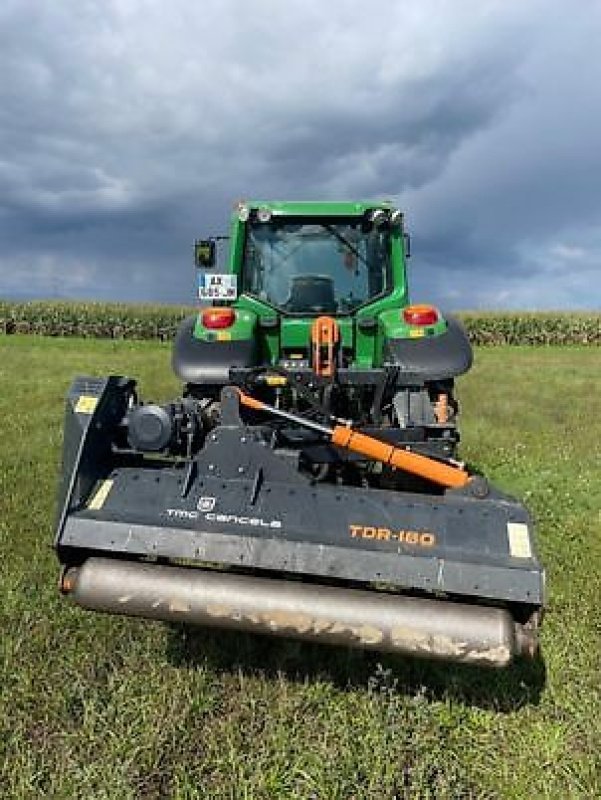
305	484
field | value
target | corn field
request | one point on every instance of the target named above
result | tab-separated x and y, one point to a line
121	321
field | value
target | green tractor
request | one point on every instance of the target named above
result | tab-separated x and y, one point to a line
306	482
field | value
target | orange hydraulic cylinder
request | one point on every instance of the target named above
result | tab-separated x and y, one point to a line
251	402
429	468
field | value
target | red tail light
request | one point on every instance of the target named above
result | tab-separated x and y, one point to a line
420	315
218	318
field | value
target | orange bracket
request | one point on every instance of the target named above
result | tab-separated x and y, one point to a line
325	336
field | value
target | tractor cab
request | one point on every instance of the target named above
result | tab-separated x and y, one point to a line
318	258
319	266
310	258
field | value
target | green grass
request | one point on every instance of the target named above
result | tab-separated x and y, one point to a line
93	706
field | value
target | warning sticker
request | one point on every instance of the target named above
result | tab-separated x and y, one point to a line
99	498
217	287
86	404
519	540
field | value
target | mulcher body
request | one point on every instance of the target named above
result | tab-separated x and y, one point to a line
305	484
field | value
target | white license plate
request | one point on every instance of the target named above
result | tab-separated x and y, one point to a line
217	287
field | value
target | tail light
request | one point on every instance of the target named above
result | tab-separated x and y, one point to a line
420	315
218	318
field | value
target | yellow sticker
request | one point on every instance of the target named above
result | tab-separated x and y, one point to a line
276	380
519	540
86	404
224	336
416	333
99	498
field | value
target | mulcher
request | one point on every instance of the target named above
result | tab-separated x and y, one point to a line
306	484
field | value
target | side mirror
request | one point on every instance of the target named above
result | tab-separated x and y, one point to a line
204	253
407	239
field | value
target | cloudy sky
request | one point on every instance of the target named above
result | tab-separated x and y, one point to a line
128	128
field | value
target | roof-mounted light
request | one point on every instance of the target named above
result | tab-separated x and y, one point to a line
264	214
396	218
379	217
243	212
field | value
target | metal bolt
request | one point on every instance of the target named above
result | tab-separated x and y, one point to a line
211	467
479	486
243	439
240	470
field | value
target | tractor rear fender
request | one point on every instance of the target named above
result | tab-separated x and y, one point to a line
432	358
207	362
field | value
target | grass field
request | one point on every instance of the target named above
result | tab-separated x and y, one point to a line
96	707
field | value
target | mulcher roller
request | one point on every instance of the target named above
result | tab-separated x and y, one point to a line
326	614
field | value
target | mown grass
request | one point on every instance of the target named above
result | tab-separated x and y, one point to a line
93	706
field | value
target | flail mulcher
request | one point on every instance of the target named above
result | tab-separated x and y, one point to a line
305	484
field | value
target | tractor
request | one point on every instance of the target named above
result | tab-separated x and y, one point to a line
306	483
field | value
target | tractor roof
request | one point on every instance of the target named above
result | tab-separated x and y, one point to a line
329	208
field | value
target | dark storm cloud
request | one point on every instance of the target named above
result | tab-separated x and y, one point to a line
128	127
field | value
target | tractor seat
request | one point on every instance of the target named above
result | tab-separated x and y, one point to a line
312	293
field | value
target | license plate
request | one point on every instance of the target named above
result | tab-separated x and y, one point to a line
217	287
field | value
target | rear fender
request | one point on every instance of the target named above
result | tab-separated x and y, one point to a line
202	362
431	358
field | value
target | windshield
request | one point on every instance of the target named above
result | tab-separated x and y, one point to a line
316	267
